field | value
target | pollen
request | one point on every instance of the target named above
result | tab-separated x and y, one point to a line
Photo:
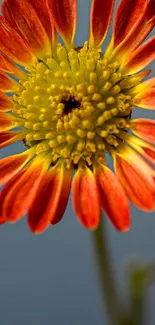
74	104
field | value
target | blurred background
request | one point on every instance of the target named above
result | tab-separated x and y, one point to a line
51	278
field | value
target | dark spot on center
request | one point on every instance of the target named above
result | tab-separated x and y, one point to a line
78	48
70	104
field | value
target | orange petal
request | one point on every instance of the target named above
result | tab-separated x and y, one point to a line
140	58
7	138
6	83
145	25
11	165
148	151
7	65
132	83
20	195
144	128
23	18
113	198
2	220
12	45
146	100
149	83
51	199
143	87
5	191
137	183
6	122
135	159
101	11
5	103
85	198
63	15
127	18
42	12
144	148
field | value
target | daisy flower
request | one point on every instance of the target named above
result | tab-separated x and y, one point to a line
71	106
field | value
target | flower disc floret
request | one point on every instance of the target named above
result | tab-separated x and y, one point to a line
73	103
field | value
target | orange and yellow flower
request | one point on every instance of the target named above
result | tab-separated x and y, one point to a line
71	106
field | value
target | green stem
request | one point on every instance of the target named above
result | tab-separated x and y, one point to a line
138	295
105	273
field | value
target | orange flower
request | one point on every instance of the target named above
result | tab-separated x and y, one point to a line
72	105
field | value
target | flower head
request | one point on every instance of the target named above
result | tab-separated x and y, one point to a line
73	105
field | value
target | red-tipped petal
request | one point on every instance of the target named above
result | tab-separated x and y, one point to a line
63	14
20	195
141	57
11	165
23	18
100	18
113	198
5	103
51	199
42	12
12	45
144	128
85	198
6	83
137	183
127	17
145	25
146	100
7	138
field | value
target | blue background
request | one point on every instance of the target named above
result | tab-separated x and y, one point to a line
51	279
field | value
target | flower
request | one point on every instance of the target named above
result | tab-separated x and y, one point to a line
71	106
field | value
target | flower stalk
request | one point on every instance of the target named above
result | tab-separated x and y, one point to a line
105	273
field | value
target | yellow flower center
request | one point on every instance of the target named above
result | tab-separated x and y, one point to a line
73	103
